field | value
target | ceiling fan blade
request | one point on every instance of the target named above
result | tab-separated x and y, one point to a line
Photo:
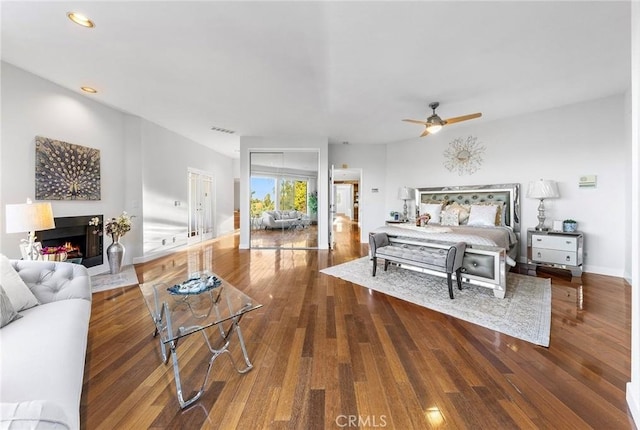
415	121
425	133
462	118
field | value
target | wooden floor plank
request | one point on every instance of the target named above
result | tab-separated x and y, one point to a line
325	351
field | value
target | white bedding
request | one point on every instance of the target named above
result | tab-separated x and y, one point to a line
502	237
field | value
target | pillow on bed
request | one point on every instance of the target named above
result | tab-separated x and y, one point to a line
463	211
483	215
450	217
500	214
433	209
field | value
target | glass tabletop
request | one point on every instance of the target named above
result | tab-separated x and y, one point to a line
187	305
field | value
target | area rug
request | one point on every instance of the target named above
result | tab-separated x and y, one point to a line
107	281
524	313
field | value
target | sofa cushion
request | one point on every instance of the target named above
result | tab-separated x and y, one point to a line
53	280
20	295
43	355
35	415
7	312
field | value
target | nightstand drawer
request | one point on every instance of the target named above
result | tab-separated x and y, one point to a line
563	243
543	255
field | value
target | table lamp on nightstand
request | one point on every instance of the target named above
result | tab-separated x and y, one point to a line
542	189
29	217
406	193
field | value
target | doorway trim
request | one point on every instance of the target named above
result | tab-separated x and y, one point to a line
201	206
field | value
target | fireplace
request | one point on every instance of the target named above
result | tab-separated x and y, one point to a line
83	243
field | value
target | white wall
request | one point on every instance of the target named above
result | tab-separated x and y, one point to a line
560	144
141	170
317	144
32	106
344	203
372	159
633	387
166	158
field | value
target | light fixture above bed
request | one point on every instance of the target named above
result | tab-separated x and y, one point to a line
542	189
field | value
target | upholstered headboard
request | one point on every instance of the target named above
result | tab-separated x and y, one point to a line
470	194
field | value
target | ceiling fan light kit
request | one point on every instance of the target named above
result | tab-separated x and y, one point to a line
434	123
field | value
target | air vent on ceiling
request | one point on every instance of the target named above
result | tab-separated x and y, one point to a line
222	130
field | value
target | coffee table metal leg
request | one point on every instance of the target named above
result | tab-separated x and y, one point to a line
162	311
244	351
235	326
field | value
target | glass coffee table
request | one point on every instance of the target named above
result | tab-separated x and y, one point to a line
188	306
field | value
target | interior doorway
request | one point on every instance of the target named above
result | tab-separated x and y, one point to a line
201	202
347	203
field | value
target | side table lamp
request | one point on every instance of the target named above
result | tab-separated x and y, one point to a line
406	193
29	217
542	189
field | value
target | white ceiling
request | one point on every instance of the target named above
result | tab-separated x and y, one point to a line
346	70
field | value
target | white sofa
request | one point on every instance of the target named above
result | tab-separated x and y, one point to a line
42	353
280	219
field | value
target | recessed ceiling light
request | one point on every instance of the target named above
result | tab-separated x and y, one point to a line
80	19
89	90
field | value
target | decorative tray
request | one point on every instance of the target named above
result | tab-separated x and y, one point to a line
195	285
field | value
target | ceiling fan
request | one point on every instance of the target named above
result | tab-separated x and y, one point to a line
434	123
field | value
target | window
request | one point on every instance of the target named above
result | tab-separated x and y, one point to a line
263	191
293	195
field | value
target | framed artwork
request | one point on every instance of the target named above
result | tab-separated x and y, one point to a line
65	171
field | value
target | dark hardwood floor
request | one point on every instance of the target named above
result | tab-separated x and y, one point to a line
331	354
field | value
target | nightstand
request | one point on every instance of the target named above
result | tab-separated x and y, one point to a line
557	249
395	221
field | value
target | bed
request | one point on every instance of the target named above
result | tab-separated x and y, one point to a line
485	217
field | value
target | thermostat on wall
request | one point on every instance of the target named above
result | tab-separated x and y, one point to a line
588	181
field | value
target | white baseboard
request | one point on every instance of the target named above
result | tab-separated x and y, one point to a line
633	401
154	255
600	270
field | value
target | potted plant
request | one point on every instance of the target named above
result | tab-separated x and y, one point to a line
569	225
313	202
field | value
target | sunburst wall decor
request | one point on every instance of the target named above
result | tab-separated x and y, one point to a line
65	171
464	155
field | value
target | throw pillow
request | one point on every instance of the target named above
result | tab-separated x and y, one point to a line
500	213
7	313
482	215
20	295
433	209
463	211
450	217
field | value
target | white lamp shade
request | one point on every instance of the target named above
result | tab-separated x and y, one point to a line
543	189
27	217
406	193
